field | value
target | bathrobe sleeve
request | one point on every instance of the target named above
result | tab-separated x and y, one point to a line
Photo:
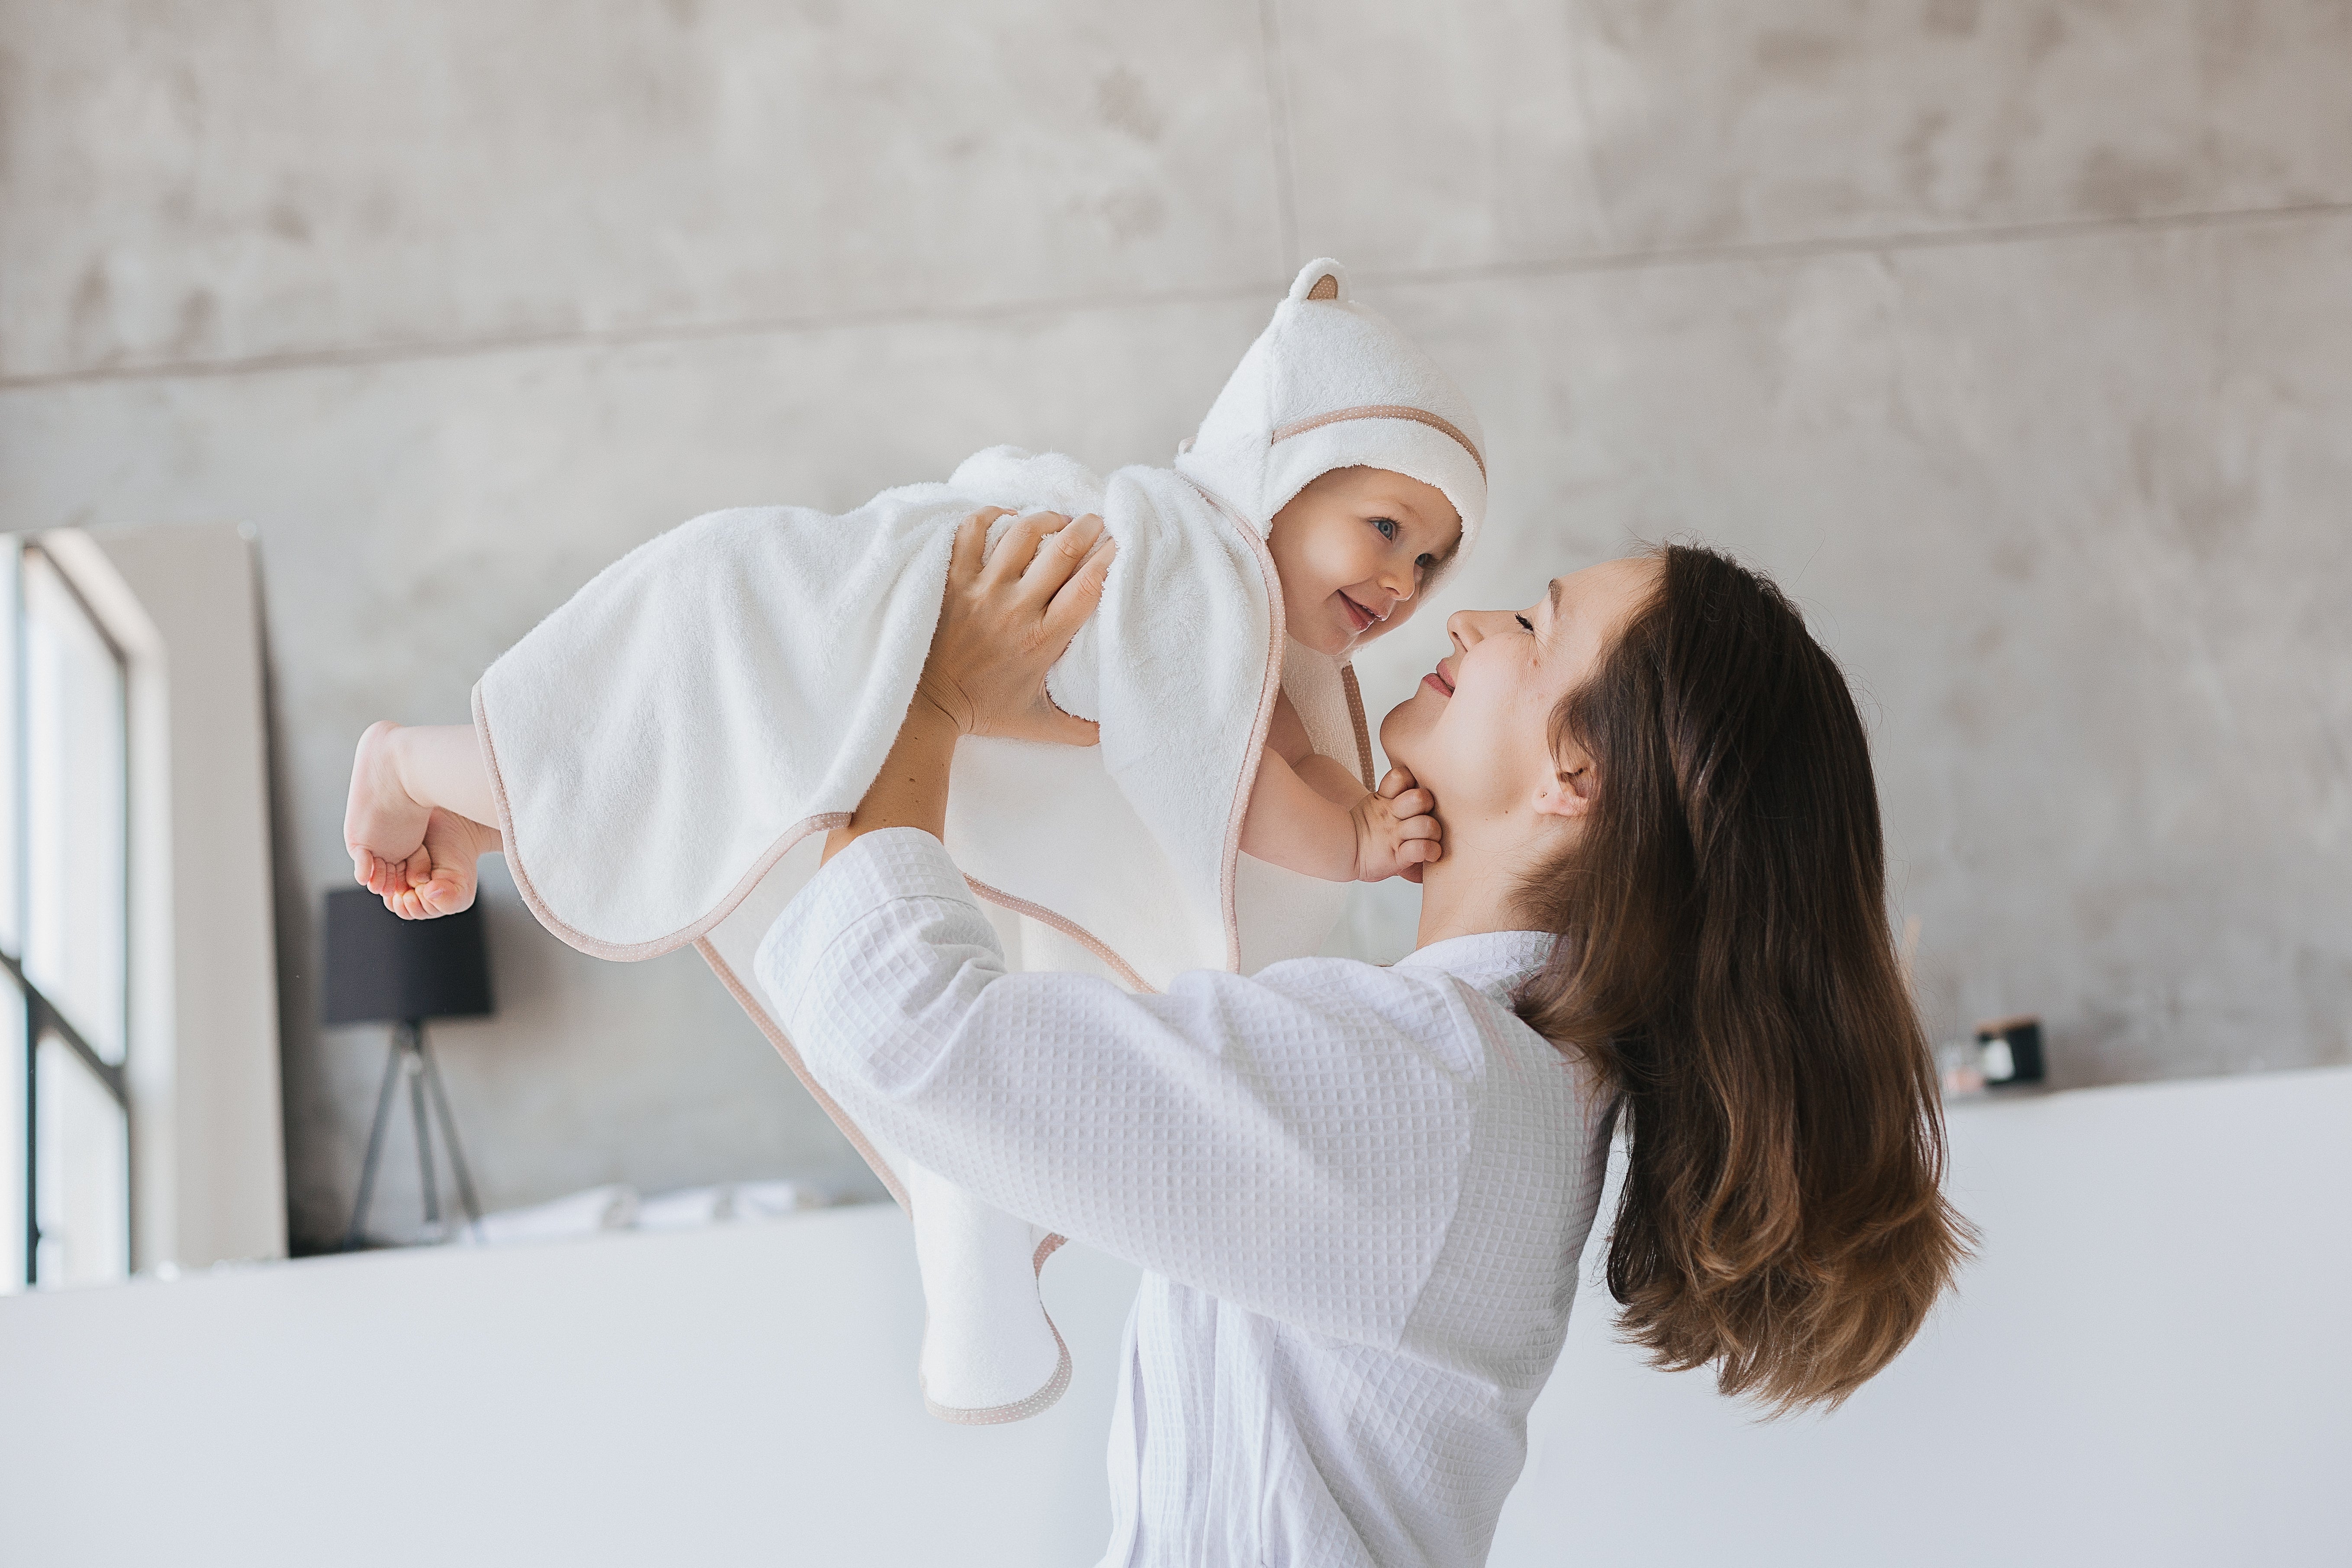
1292	1142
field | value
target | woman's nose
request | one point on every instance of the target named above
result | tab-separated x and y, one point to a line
1468	626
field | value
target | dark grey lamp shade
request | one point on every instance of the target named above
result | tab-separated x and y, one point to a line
381	967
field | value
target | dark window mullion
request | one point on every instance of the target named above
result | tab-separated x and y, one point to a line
110	1075
42	1018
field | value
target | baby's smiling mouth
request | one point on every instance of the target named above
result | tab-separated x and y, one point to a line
1358	617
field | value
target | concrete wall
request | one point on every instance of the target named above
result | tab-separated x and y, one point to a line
2146	1367
2010	337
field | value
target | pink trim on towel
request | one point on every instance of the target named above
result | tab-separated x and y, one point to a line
1363	730
1055	1386
629	952
776	1038
1067	927
1381	411
1020	1409
1229	867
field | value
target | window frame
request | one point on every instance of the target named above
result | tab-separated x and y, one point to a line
42	1019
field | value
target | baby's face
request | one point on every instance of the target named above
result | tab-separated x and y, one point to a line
1353	549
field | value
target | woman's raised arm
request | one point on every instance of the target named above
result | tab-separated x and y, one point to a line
1005	616
1292	1147
1292	1142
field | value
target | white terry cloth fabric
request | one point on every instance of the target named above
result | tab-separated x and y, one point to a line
1359	1196
667	748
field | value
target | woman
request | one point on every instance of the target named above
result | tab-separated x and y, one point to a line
1359	1194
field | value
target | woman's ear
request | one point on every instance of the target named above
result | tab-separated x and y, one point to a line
1569	793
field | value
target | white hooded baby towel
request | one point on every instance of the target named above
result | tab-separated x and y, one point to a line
668	749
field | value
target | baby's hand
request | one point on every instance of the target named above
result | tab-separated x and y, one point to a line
1396	830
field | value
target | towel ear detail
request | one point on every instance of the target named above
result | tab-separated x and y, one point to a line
1323	279
1330	383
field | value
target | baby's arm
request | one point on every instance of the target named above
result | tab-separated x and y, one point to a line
1329	777
1307	815
418	818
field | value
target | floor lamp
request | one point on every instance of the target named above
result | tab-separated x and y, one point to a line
381	968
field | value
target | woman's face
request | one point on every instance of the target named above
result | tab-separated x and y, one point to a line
1477	733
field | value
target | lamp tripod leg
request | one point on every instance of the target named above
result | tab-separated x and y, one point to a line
424	1130
450	1135
352	1238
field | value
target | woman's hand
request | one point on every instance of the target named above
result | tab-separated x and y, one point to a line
1002	622
1005	619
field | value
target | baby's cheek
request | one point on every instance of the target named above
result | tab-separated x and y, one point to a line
1298	603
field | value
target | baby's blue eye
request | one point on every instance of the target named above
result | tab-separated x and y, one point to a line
1387	526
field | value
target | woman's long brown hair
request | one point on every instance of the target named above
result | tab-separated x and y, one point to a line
1726	961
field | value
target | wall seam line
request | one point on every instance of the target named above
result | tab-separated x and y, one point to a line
1625	261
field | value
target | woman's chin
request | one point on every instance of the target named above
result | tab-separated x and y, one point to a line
1401	730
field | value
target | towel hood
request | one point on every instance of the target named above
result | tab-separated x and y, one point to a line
1332	384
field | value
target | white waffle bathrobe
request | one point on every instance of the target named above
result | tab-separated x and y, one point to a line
668	748
1359	1196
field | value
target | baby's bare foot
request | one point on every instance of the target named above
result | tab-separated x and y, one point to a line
383	827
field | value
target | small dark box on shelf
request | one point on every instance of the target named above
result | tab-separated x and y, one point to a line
2011	1050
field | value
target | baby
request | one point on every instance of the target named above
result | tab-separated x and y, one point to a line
1353	550
660	758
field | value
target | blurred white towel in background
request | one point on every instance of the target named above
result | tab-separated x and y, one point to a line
612	1207
728	1201
684	1209
617	1207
